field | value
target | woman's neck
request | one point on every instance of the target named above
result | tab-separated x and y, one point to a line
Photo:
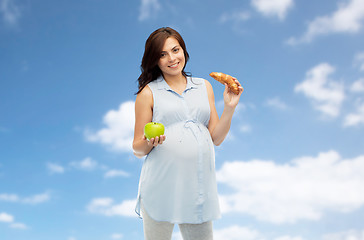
176	83
175	80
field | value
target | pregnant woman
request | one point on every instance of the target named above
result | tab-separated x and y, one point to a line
177	182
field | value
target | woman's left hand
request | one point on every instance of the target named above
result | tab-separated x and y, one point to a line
231	99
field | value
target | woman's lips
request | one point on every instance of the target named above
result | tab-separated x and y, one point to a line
174	65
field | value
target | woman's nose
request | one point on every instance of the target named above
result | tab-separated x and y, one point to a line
171	57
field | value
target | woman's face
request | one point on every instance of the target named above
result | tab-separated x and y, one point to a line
172	59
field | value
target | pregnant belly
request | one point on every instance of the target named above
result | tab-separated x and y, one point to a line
183	149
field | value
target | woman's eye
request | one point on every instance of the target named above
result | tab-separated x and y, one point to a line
163	54
176	50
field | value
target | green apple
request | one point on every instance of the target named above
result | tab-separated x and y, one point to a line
153	129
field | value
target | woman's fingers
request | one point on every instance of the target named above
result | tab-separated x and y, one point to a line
239	86
236	81
227	89
162	138
156	141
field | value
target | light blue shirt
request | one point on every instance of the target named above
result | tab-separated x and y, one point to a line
177	182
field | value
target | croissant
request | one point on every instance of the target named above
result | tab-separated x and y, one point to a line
225	78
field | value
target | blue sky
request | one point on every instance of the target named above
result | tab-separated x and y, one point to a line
291	167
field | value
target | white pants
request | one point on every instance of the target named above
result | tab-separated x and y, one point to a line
155	230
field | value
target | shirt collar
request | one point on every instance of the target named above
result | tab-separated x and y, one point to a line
162	84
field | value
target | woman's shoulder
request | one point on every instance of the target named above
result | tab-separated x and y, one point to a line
145	93
199	81
144	99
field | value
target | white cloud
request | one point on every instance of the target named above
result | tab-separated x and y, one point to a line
347	18
35	199
234	19
10	12
269	8
19	226
148	9
358	86
9	197
277	103
273	8
356	118
116	173
304	188
106	207
55	168
245	128
326	95
119	130
345	235
4	217
7	218
86	164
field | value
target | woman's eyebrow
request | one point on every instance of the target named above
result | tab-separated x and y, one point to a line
171	48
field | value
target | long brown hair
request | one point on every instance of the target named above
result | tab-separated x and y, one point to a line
152	54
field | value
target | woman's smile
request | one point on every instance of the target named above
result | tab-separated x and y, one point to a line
174	65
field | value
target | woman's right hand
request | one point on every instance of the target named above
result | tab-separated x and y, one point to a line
155	141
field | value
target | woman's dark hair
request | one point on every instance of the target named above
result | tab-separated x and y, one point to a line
152	53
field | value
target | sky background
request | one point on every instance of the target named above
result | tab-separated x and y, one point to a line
291	167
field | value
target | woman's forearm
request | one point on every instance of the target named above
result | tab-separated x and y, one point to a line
141	148
223	126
